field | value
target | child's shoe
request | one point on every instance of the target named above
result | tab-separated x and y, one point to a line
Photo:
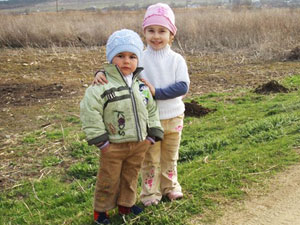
151	202
127	210
101	218
175	195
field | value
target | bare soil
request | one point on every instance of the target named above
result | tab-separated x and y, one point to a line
271	87
193	109
36	83
31	78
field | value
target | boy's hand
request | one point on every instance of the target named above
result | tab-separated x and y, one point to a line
105	149
150	86
100	78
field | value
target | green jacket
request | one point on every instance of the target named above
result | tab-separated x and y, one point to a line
118	113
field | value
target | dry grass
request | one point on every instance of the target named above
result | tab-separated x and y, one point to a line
63	29
268	32
265	33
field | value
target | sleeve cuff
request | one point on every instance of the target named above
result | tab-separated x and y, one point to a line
98	140
155	133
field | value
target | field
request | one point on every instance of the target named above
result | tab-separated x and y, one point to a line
47	171
64	5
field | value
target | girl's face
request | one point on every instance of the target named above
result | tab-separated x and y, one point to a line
126	61
157	36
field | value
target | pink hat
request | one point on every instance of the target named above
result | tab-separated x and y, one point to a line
160	14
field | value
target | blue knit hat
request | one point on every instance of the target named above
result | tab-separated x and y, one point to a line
123	41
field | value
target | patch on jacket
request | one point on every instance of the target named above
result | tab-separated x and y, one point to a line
144	91
111	128
121	123
110	94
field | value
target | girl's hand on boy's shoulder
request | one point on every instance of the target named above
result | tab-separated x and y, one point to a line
150	86
99	78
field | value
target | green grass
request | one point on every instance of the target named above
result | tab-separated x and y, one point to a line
51	161
249	138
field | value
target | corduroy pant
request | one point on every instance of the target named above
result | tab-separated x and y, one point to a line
159	169
118	175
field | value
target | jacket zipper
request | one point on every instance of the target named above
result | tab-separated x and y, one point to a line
137	121
136	117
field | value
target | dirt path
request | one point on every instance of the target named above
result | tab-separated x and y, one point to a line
279	206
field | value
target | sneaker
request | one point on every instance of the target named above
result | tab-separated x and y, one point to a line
101	218
151	202
175	195
127	210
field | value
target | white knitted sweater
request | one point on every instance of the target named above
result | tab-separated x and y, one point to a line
163	68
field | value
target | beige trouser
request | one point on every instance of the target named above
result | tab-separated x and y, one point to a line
159	170
118	175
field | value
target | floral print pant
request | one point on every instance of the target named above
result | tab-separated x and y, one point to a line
159	170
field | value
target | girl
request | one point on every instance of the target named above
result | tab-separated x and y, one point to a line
166	75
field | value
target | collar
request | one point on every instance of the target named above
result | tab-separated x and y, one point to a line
160	52
112	70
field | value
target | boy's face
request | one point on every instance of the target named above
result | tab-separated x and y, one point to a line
126	61
157	36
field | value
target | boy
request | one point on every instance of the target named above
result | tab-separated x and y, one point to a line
120	118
